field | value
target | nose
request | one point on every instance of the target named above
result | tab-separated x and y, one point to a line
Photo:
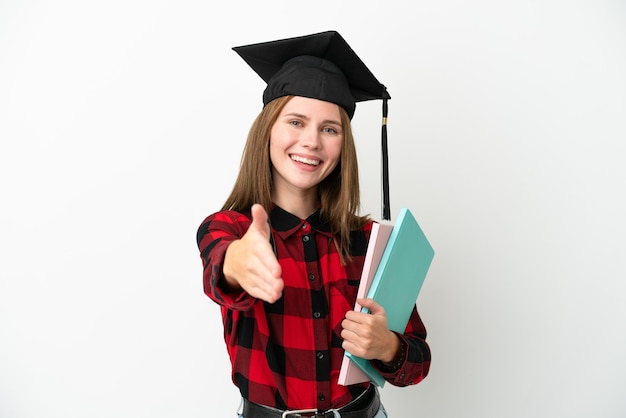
310	138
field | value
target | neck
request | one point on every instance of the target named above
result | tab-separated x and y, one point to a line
301	206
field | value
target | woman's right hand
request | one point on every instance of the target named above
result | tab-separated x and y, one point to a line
250	262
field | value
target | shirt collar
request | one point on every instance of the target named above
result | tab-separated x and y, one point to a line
286	224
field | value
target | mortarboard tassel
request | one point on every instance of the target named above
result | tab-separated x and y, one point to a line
385	163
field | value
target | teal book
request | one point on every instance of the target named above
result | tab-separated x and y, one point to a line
398	280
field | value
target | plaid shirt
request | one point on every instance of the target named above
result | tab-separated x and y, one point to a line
288	354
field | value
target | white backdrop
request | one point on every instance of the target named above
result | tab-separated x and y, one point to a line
121	128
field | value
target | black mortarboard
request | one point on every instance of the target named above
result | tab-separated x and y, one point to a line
320	66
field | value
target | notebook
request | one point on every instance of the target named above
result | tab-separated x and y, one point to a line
350	373
396	284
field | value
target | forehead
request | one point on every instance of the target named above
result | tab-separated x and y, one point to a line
312	108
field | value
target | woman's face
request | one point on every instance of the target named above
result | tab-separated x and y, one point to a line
305	145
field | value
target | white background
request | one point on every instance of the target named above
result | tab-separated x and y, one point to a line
121	128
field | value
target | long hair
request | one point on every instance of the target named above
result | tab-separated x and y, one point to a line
339	192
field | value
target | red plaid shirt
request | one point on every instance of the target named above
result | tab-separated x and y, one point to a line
288	354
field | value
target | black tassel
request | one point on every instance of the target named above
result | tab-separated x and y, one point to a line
385	164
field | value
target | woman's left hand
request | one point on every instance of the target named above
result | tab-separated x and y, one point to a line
367	335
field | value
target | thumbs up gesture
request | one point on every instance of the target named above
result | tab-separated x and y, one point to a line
250	262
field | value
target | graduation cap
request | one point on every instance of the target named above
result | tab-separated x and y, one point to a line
320	66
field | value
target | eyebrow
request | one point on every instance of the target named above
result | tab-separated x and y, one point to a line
301	116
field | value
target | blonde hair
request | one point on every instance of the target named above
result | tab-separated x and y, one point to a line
339	192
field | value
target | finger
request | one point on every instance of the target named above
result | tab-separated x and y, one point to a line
264	268
359	317
268	267
260	220
349	331
260	281
352	346
374	307
268	292
349	336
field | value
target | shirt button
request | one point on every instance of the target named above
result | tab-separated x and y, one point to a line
317	314
305	238
320	355
304	225
321	397
311	276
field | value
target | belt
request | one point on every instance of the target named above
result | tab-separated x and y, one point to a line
365	405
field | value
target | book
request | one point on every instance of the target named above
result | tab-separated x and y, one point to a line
400	274
350	373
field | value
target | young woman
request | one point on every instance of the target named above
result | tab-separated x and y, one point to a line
284	255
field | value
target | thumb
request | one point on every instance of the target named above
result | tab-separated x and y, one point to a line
259	220
374	307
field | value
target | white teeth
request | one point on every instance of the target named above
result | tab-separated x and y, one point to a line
305	160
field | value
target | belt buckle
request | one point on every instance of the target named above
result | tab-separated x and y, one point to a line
295	412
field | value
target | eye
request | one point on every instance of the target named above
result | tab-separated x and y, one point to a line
295	122
330	130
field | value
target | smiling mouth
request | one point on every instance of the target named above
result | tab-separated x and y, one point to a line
305	160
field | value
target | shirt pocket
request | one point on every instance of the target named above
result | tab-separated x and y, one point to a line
343	294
